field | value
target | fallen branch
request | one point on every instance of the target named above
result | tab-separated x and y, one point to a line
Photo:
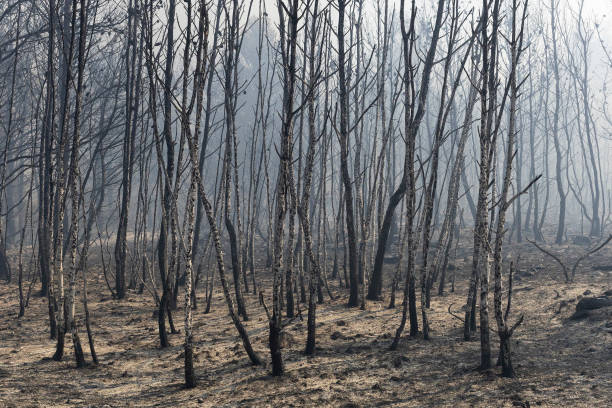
570	277
454	315
553	256
263	303
591	252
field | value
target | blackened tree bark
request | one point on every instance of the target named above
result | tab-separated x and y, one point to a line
71	323
289	18
133	64
503	330
413	119
343	135
303	210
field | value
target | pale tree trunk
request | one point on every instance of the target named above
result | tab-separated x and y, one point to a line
59	200
71	324
193	142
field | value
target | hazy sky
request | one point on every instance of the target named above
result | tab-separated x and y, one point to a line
597	11
600	10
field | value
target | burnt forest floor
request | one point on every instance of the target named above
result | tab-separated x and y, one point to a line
560	361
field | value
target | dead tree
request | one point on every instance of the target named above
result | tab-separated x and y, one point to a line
166	216
193	142
206	126
59	199
288	25
314	61
504	331
216	237
230	89
413	116
45	174
447	231
579	67
71	323
343	135
412	122
555	126
133	65
568	273
409	301
487	136
431	187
